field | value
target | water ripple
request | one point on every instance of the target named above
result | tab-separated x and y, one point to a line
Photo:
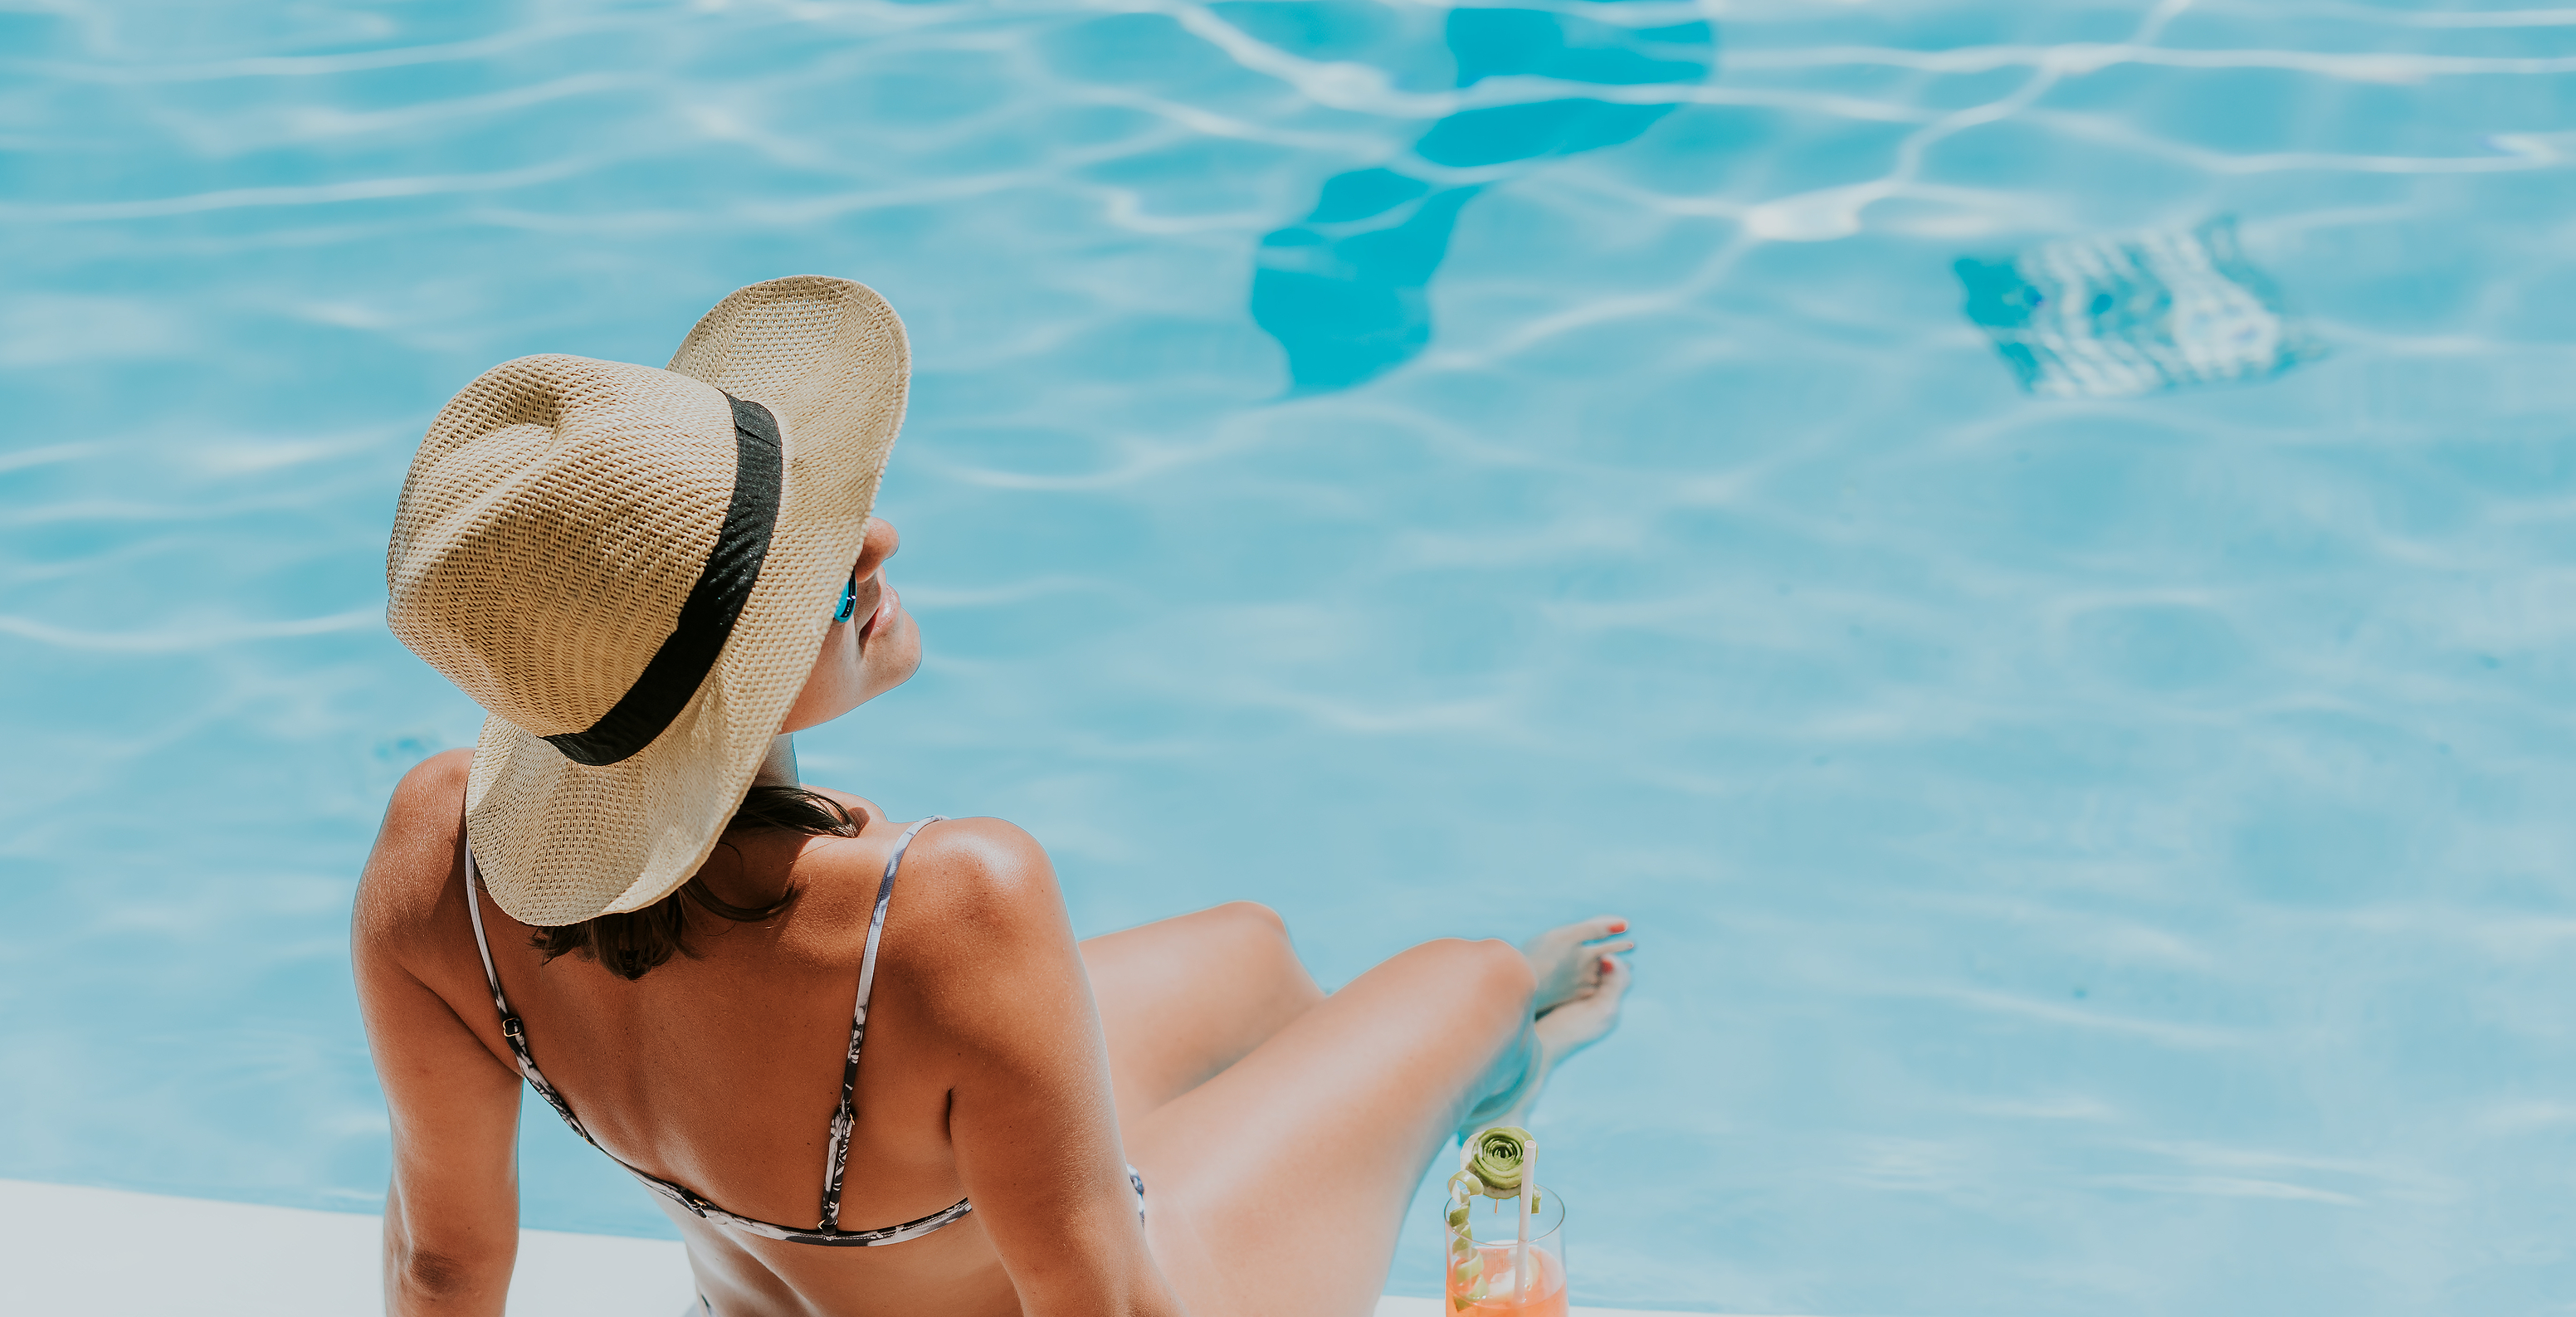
2081	58
374	189
191	639
2100	854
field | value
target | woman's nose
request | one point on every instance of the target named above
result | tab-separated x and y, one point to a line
881	543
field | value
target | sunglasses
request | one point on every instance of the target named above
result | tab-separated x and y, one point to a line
849	600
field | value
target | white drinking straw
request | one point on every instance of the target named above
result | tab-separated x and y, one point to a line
1520	1250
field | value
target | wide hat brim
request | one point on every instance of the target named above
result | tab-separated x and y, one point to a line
559	842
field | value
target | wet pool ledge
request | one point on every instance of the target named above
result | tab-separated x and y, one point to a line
111	1253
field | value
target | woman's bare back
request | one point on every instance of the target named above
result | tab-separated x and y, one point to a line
720	1071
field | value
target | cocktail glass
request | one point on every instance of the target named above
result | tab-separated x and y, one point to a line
1513	1279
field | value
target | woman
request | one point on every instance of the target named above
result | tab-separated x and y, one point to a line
649	578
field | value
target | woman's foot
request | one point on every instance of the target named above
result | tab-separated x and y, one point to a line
1581	984
1571	960
1587	1019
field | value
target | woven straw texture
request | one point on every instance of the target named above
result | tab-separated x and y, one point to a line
556	516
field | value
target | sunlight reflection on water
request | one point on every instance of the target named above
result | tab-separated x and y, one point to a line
2092	854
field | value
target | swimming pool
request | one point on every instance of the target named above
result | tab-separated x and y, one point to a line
2095	851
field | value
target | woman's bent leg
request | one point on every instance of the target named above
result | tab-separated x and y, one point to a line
1183	998
1276	1189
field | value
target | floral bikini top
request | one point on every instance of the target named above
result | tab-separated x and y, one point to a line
829	1231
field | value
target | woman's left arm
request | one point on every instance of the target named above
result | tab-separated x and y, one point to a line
452	1211
1030	1114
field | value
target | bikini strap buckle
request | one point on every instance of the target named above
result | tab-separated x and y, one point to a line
512	1029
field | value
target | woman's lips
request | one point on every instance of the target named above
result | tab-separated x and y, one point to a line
887	602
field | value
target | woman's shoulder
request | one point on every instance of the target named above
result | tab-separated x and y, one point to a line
969	867
984	878
976	931
415	857
989	873
983	859
435	783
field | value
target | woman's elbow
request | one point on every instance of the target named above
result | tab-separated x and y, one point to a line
422	1279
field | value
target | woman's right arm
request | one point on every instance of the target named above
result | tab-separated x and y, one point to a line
452	1211
1030	1114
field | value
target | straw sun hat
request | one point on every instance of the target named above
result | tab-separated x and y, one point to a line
632	571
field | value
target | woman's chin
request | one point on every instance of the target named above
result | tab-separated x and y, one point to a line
885	659
901	657
890	657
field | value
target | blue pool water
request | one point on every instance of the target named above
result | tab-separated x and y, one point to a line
2094	853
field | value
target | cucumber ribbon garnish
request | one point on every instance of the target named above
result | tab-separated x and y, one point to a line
1496	1161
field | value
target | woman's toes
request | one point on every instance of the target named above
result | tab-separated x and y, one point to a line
1564	938
1595	928
1587	1020
1567	959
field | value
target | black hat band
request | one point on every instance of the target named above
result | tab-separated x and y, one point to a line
706	621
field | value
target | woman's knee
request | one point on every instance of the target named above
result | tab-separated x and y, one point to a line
1487	969
1253	940
1506	970
1249	919
1249	931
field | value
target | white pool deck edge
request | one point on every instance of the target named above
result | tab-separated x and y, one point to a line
113	1253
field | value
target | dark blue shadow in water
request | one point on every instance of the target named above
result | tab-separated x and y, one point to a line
1345	291
2132	314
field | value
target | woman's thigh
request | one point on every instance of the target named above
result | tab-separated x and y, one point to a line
1183	998
1276	1189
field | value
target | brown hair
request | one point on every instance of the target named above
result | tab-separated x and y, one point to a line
635	941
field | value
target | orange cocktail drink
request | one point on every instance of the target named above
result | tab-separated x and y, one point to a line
1538	1291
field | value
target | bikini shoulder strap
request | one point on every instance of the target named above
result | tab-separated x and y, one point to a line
512	1028
846	1115
483	945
